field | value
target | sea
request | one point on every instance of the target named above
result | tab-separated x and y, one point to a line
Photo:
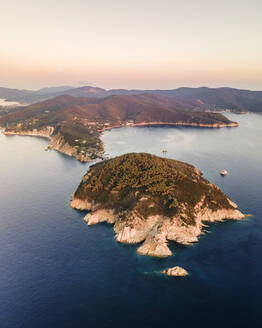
56	272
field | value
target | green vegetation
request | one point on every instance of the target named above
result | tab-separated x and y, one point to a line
150	185
78	135
112	110
80	121
215	117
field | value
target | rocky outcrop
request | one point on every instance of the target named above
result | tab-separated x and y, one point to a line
155	231
59	143
175	272
80	204
135	224
99	217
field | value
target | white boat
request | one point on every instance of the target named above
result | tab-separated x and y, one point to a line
223	172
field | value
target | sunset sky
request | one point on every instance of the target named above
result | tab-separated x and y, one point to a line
131	44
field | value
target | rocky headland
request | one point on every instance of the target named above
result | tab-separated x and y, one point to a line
151	200
58	142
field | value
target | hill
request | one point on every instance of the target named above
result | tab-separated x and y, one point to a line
116	109
74	124
14	94
203	98
222	98
151	199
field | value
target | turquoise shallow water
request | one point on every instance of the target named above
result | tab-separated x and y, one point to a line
57	272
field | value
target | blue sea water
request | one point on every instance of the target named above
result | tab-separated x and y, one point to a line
56	272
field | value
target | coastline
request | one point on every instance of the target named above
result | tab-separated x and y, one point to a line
78	262
58	143
157	231
186	124
140	218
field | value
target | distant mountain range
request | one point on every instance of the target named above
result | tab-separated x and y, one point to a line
199	98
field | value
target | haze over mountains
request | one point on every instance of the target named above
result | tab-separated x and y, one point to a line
202	98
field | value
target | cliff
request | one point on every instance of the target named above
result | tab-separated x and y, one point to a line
57	141
151	200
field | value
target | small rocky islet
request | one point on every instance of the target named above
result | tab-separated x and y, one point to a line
152	200
175	272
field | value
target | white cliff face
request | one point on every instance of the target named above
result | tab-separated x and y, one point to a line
81	204
134	229
100	216
155	243
58	143
146	217
155	231
175	272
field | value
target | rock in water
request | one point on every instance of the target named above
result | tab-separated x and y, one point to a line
175	272
152	200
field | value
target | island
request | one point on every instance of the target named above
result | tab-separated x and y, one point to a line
74	124
175	272
151	200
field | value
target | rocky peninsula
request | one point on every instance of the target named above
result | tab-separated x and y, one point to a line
77	148
151	200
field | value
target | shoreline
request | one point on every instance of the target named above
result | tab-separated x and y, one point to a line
157	231
58	143
148	124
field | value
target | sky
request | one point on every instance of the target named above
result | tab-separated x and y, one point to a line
140	44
